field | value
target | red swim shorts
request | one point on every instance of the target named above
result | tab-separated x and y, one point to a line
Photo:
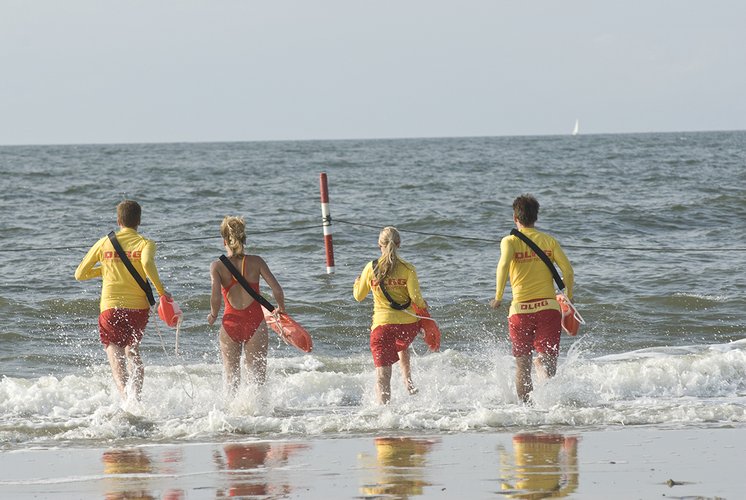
122	327
387	340
539	331
241	324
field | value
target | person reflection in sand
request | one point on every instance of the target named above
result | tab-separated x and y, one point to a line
399	468
248	465
546	466
136	465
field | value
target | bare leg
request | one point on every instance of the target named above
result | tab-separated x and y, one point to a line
383	384
406	371
523	384
135	368
546	365
255	351
231	352
118	365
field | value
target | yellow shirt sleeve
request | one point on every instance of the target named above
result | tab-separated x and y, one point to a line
568	275
503	268
87	268
148	264
413	289
362	284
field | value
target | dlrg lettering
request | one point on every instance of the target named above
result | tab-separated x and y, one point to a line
389	282
531	306
131	255
530	254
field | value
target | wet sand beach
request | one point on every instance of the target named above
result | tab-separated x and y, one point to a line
624	463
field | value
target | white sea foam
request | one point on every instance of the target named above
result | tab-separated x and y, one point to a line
314	395
703	296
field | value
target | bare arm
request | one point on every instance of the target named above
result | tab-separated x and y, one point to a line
270	279
214	293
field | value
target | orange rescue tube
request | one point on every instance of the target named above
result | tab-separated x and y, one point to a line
169	311
570	322
430	327
289	330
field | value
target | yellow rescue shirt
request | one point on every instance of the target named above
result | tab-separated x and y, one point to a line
401	284
119	287
530	278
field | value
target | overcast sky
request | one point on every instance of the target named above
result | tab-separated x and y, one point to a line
93	71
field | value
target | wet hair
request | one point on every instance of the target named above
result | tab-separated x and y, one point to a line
526	209
389	241
233	230
129	213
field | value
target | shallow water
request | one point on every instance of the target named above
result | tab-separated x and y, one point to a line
622	464
653	224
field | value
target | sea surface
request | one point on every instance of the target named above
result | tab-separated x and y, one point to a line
654	225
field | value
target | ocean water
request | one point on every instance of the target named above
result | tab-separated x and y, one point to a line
653	224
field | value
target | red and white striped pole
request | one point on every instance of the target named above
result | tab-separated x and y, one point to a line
326	219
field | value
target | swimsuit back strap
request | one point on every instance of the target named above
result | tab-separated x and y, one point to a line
245	284
233	278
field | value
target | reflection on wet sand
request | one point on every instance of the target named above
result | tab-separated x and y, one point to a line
542	466
129	470
398	470
248	465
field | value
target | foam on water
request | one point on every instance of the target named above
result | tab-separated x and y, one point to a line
315	395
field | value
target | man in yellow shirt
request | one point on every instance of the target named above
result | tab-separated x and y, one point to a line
534	319
124	304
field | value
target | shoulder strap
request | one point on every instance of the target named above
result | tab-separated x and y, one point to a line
245	284
394	304
128	264
540	253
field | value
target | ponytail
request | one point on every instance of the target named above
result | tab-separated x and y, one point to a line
233	231
389	241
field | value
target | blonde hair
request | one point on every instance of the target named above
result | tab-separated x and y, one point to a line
233	230
389	241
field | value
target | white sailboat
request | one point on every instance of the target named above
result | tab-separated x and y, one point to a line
576	128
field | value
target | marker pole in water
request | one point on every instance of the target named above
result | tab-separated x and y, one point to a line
326	219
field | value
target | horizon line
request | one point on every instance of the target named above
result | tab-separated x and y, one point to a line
343	139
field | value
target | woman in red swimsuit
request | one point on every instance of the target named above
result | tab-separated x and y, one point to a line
243	321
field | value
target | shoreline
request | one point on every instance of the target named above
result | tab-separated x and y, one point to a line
630	462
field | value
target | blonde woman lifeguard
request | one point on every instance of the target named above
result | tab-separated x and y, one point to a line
396	289
243	326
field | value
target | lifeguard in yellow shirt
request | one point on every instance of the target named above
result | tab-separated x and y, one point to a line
395	325
124	305
534	319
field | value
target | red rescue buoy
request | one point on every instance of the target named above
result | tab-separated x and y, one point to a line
169	311
428	325
571	319
289	330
